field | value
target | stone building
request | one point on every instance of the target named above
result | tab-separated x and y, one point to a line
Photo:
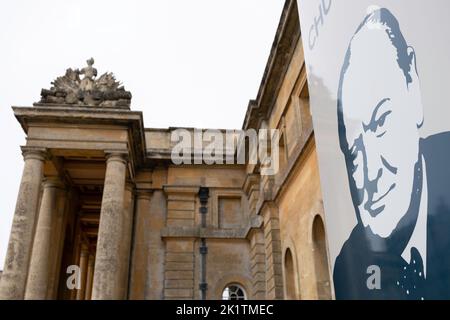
104	213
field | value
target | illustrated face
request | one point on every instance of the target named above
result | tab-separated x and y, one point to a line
381	122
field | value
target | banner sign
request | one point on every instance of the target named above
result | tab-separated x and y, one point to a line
379	79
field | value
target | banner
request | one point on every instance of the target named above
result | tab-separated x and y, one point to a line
379	78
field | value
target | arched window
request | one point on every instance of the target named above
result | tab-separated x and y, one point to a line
233	292
289	272
320	260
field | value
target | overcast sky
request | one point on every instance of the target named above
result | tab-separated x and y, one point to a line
189	63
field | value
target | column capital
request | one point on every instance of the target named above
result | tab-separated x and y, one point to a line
53	182
129	185
116	155
84	251
144	194
34	153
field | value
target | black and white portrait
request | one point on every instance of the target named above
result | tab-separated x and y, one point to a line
399	181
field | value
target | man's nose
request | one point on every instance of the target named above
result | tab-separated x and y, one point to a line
374	165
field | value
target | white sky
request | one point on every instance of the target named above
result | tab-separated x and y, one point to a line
189	63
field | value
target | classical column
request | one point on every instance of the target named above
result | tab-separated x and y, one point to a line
107	261
90	277
180	264
258	263
39	271
84	256
13	281
128	214
273	255
140	245
57	241
77	240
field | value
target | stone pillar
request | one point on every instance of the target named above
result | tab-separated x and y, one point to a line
57	242
76	254
256	236
258	264
84	256
107	261
156	248
252	191
274	269
179	265
13	281
140	245
40	264
128	214
90	277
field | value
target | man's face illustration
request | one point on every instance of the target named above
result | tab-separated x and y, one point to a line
382	113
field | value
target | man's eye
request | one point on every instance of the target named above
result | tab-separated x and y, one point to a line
380	123
382	119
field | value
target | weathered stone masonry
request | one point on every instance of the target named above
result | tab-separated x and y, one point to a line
99	193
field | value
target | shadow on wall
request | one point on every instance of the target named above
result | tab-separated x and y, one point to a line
326	121
291	292
321	260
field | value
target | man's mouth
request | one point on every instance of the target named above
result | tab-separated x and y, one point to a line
384	195
372	202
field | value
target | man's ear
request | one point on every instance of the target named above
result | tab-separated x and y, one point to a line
412	64
414	87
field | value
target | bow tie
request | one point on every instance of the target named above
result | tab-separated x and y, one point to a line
412	279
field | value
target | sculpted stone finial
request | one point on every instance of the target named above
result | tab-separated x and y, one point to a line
89	91
90	73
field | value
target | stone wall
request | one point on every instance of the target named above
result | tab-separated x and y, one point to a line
263	233
166	261
290	203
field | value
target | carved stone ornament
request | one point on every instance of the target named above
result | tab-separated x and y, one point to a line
69	89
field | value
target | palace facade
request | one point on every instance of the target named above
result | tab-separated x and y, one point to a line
104	213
